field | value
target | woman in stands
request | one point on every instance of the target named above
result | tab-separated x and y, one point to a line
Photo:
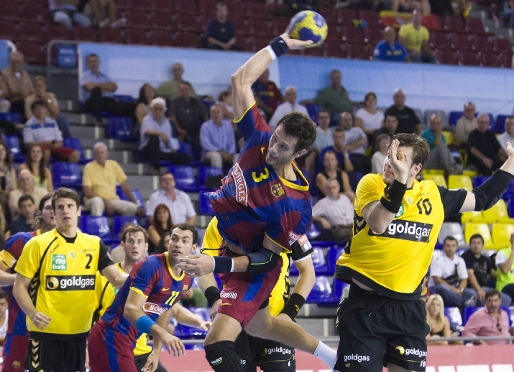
331	170
163	243
161	223
146	94
7	178
35	163
380	154
368	117
226	104
438	322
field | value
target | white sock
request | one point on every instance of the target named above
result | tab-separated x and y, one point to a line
326	354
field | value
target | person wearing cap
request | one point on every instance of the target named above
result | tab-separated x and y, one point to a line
157	140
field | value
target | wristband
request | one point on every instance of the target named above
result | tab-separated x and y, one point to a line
293	305
144	323
279	46
223	265
393	195
212	294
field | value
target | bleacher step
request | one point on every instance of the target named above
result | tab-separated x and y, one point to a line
82	119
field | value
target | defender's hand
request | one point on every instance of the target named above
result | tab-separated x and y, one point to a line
196	265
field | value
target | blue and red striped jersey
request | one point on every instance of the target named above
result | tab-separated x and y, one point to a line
254	200
151	277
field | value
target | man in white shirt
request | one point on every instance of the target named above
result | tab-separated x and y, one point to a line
508	135
466	124
288	106
356	142
323	139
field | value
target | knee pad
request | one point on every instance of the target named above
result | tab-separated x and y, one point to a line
222	357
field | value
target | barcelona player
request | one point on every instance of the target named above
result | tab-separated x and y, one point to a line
144	305
263	207
17	337
396	225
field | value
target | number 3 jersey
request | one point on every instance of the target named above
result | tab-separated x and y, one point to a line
153	278
395	262
255	201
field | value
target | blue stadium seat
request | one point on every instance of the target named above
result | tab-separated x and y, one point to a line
185	179
75	144
321	292
98	226
339	287
479	180
500	123
137	195
14	144
333	254
66	175
187	332
454	315
319	262
313	110
313	231
11	116
454	116
122	129
205	171
118	222
204	205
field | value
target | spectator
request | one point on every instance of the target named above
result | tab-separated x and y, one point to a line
356	142
177	201
480	270
17	83
390	126
7	177
415	38
288	106
505	274
193	297
221	32
146	95
380	154
43	130
440	156
25	187
439	324
217	140
334	97
104	13
449	277
323	139
331	170
4	315
40	94
403	6
161	222
5	105
187	112
508	135
368	117
170	89
99	181
334	213
267	94
340	149
466	124
97	90
164	242
157	141
491	320
389	49
484	150
35	163
25	220
408	122
65	12
509	13
226	103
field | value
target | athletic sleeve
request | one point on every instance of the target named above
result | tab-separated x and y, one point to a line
250	121
104	259
370	189
13	248
452	200
28	263
145	276
298	254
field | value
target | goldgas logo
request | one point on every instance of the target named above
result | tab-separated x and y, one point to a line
402	351
407	230
59	262
70	283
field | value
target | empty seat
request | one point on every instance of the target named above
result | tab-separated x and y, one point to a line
58	32
279	25
162	5
454	315
331	49
161	38
437	178
467	58
119	222
75	144
256	10
333	253
352	34
370	16
460	42
162	21
439	40
188	22
33	53
489	60
84	34
135	192
122	129
500	234
319	262
184	331
502	45
453	24
500	123
184	177
204	205
187	39
30	31
497	213
110	35
474	26
460	182
185	6
13	143
471	229
66	175
135	36
7	29
313	109
356	51
321	291
97	226
446	57
452	229
205	172
345	16
481	43
373	35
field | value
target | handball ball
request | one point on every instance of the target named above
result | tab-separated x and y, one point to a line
308	25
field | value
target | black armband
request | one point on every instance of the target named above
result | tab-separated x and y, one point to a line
393	195
222	265
262	261
293	305
279	46
212	294
488	193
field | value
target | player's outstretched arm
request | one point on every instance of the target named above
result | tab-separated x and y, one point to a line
184	316
114	276
6	278
21	293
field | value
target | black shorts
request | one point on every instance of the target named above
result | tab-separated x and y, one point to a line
267	354
375	330
45	355
140	361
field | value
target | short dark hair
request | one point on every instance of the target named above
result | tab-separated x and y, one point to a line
187	227
92	55
4	295
64	192
323	110
491	293
24	198
38	102
300	126
420	148
43	200
223	94
449	237
379	139
132	228
476	236
370	94
391	115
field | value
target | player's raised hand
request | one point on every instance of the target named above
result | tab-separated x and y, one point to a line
294	43
399	162
196	265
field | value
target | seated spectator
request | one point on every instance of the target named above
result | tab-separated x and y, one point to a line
25	219
509	13
193	297
389	128
226	103
508	135
161	222
505	272
408	122
323	139
146	95
7	178
484	150
99	181
5	105
438	322
187	113
340	149
40	94
288	106
25	187
35	163
104	13
380	154
356	143
43	130
65	12
335	97
465	125
440	156
415	38
157	141
491	320
220	31
368	117
97	90
217	140
449	277
17	83
331	170
170	89
334	213
267	94
164	242
389	49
